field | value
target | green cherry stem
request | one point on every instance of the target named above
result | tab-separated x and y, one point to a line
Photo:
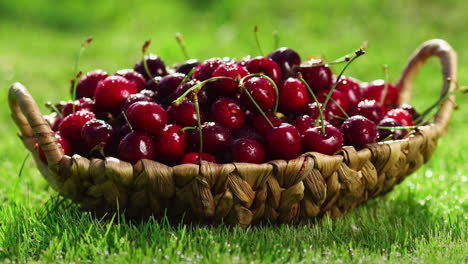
144	49
74	81
74	84
256	105
181	42
196	88
321	117
434	105
276	38
188	128
385	91
275	108
126	120
357	54
197	109
397	127
339	107
186	78
256	40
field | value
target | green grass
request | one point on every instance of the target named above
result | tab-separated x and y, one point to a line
424	220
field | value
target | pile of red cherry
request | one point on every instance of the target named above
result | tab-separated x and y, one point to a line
224	110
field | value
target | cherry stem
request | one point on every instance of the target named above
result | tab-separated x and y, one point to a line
144	49
75	83
186	78
397	127
357	54
197	109
181	42
321	117
187	128
255	103
126	120
434	105
345	58
385	91
256	40
275	108
196	88
84	45
339	107
54	108
276	38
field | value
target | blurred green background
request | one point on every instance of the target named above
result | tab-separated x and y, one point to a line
39	41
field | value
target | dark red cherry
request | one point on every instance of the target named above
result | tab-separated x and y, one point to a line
184	114
261	125
326	143
147	117
249	132
262	91
153	84
202	94
283	142
138	97
87	85
392	133
66	146
369	109
304	122
205	70
247	150
228	113
227	87
312	110
155	64
168	84
350	90
375	90
215	137
410	109
149	93
112	92
172	144
187	66
266	66
193	158
294	96
135	77
287	59
359	131
318	78
96	132
136	146
81	104
401	115
71	125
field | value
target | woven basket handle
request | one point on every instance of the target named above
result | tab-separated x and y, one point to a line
32	124
448	60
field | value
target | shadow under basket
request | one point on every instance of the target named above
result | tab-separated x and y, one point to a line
280	191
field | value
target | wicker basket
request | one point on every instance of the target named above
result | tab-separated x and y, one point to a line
307	187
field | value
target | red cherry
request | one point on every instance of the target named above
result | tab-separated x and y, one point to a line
172	144
138	97
294	96
247	150
168	84
205	70
71	125
359	131
81	104
155	64
262	91
393	133
375	90
249	132
326	143
87	85
350	90
401	115
287	59
136	146
283	142
192	158
338	97
227	87
184	114
369	109
304	122
318	78
215	137
96	132
261	125
66	146
112	92
228	113
147	117
266	66
133	76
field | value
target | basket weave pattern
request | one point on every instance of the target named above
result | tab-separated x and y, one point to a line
307	187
